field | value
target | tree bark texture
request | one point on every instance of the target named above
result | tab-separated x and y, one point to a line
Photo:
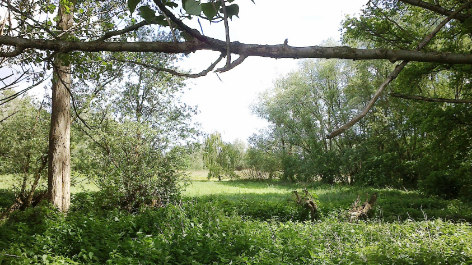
271	51
59	134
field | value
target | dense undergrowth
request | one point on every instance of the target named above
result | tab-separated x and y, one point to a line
246	228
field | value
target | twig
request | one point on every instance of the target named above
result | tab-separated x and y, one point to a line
122	31
228	41
170	26
173	72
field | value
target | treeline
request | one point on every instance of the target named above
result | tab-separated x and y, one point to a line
401	143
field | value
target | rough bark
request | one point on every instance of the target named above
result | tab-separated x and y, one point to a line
59	134
247	50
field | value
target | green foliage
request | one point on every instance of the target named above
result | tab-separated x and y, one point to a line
224	229
262	156
135	152
23	136
23	147
221	158
401	143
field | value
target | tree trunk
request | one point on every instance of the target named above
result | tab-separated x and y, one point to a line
59	134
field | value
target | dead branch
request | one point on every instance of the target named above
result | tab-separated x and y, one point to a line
173	72
357	211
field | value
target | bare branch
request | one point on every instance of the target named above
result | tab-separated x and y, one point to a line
232	65
123	31
171	27
228	41
14	82
435	8
371	103
173	72
4	119
394	74
447	100
19	93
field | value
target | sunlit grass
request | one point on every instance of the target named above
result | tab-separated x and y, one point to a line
79	184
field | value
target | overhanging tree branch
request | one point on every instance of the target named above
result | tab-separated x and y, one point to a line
443	100
435	8
272	51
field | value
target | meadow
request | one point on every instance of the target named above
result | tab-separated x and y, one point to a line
243	222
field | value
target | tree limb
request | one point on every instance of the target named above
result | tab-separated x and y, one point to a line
173	72
371	103
233	64
271	51
435	8
110	34
447	100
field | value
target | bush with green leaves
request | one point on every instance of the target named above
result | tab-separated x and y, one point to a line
138	129
131	173
24	147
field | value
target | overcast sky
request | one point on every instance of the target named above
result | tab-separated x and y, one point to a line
225	105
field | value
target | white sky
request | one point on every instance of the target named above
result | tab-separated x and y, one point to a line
225	105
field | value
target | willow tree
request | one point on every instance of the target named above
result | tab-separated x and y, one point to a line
32	40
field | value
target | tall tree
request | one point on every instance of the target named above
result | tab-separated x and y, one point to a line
59	133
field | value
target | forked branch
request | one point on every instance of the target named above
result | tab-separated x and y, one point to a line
173	72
